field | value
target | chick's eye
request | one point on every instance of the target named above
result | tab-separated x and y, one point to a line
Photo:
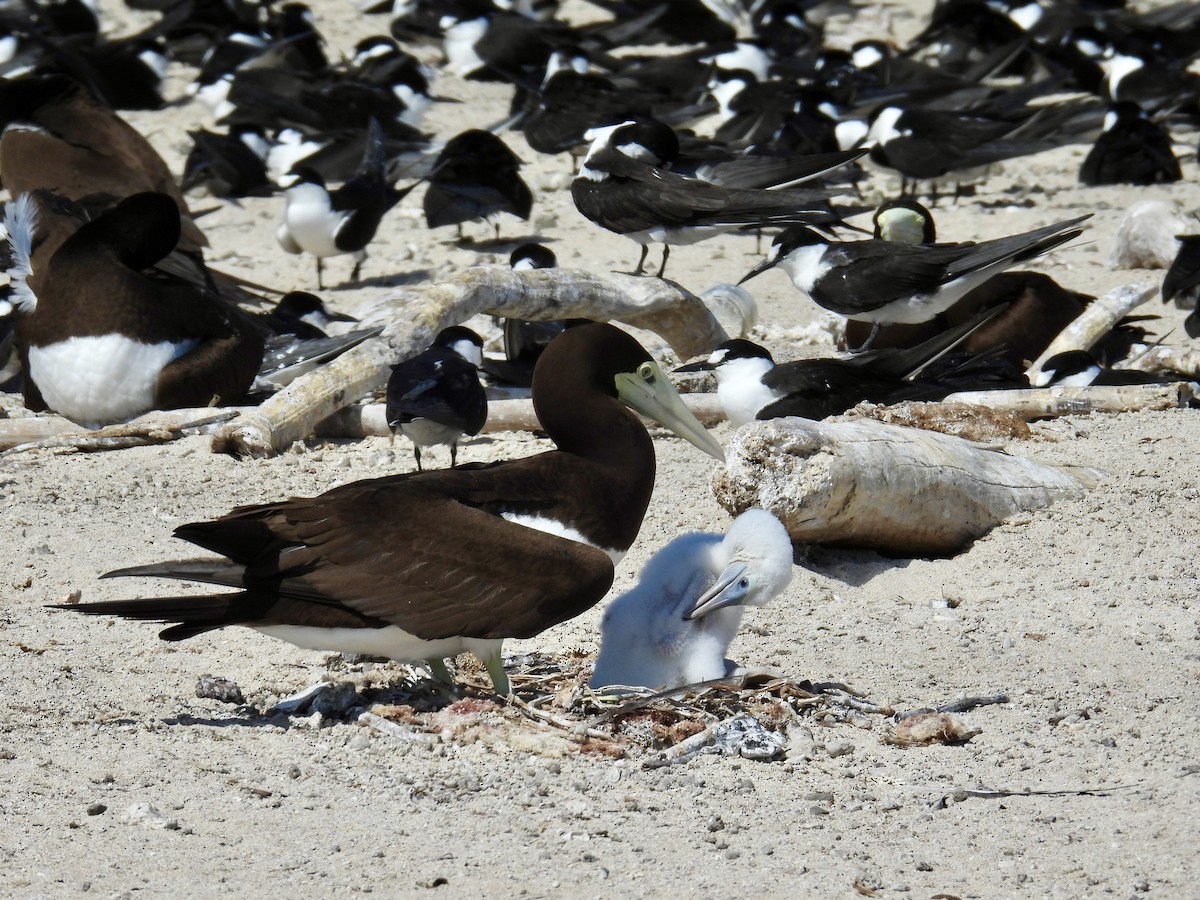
646	373
745	583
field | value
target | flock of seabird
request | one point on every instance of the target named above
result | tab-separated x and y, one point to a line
688	119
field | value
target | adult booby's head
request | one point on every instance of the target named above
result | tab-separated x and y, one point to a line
431	564
675	627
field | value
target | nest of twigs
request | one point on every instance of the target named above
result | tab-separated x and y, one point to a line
756	715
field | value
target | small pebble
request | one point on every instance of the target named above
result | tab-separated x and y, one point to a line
214	687
839	748
95	809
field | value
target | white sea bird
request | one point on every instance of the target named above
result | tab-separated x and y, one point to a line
674	628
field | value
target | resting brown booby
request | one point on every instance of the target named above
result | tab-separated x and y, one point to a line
105	334
57	135
426	565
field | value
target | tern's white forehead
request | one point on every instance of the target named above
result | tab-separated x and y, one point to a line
718	356
469	351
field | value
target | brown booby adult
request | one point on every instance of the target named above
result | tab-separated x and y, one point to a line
106	335
426	565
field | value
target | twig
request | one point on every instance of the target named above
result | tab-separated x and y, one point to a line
963	704
684	750
575	731
138	433
364	419
963	793
406	733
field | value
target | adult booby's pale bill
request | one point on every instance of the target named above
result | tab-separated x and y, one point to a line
426	565
676	625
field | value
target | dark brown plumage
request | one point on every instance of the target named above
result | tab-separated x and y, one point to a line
437	554
79	148
100	284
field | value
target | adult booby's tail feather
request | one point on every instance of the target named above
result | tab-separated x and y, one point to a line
189	616
209	571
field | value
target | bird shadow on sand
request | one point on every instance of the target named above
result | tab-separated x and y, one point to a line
498	245
392	280
853	567
241	717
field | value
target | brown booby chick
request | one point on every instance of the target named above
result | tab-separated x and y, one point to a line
426	565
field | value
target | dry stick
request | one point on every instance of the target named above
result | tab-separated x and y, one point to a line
367	419
353	422
405	733
1163	359
963	704
570	730
412	319
1096	321
51	432
1043	403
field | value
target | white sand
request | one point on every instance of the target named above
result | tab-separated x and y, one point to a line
1082	613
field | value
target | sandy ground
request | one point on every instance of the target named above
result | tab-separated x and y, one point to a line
1082	613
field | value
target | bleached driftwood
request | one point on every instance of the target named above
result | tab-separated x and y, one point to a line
366	419
865	484
1096	320
50	431
1163	359
413	318
357	421
1047	403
